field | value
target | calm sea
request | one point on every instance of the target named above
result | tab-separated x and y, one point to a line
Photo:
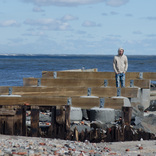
14	68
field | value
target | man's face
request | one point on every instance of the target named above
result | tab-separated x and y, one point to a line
121	52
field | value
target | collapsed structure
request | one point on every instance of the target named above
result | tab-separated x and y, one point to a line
80	105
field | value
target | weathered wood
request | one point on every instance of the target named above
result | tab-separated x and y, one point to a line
83	102
76	134
83	82
35	121
6	125
93	75
24	128
34	100
129	92
70	91
67	118
64	82
51	91
52	128
149	75
18	121
127	115
11	120
7	112
80	75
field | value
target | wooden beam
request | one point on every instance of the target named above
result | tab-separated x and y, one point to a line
127	115
34	121
83	102
69	91
53	91
82	75
103	75
129	92
145	83
149	75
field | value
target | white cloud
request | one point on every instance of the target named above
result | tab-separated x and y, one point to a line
48	24
114	3
90	24
9	23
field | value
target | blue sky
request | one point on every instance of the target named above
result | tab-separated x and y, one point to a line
77	27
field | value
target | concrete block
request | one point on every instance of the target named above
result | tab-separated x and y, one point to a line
75	114
105	115
143	98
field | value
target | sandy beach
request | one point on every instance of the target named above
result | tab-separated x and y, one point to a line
32	146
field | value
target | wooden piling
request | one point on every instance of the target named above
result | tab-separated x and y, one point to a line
34	121
127	115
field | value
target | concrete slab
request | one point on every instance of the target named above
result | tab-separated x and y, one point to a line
105	115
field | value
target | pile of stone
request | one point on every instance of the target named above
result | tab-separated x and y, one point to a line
28	146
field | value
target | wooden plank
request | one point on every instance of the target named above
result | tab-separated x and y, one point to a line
83	102
145	83
90	102
82	75
92	75
53	91
33	100
149	75
114	103
4	90
129	92
71	91
30	81
35	121
103	91
64	82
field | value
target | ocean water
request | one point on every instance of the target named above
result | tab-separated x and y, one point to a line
13	68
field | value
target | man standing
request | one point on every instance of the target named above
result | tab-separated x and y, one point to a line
120	65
